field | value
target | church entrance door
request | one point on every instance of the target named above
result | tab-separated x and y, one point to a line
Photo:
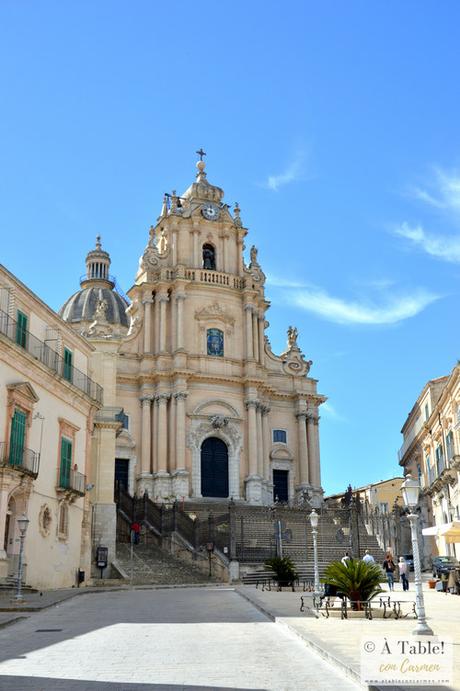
121	473
214	468
280	486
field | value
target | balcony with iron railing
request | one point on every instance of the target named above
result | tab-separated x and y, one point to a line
73	482
20	460
48	357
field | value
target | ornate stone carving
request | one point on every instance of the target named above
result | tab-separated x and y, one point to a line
215	311
292	334
45	520
218	421
293	360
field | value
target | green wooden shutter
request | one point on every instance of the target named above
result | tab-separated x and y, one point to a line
67	364
66	462
21	329
17	437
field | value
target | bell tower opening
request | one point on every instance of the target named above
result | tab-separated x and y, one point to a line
209	257
214	468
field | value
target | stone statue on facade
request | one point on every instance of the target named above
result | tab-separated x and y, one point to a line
253	253
292	334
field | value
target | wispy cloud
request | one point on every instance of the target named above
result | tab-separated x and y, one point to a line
328	411
291	173
445	247
387	306
283	283
389	310
443	192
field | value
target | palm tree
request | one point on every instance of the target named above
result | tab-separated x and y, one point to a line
356	580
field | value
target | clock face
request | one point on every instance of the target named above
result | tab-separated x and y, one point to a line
210	211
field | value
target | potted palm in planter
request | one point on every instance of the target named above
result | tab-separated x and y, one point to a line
356	580
284	570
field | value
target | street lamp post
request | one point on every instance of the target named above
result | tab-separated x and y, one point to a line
23	522
410	490
314	518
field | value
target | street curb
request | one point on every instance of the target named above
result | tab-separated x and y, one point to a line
310	642
4	624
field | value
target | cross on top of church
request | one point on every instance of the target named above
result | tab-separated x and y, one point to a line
201	153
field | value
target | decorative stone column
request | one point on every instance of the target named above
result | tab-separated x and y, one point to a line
253	480
172	435
316	479
267	480
163	299
255	333
180	474
224	253
161	481
154	435
196	258
147	302
156	333
180	321
260	446
249	342
261	338
303	470
311	446
146	468
313	456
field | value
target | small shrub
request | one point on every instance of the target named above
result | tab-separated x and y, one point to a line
356	580
284	570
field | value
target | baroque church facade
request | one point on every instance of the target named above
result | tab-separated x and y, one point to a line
196	404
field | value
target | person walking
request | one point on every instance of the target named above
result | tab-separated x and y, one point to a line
345	559
368	558
389	568
136	530
403	573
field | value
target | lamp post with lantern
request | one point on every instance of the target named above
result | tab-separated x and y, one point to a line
410	491
314	518
23	523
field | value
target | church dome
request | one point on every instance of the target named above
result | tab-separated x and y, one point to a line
96	286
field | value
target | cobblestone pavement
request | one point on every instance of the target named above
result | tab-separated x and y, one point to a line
206	638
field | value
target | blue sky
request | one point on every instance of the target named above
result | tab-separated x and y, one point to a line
334	125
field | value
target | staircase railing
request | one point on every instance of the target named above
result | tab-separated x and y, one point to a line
163	519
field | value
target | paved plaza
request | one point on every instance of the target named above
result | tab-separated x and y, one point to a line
184	638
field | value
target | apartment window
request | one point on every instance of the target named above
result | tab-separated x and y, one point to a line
17	437
21	329
450	445
68	367
280	435
439	454
427	411
66	463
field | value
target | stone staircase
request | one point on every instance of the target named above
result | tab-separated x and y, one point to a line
154	566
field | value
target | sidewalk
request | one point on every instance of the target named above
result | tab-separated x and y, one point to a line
339	640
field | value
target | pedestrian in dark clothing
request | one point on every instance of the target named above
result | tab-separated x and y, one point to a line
389	568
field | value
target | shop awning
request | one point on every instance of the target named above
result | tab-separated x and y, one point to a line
449	531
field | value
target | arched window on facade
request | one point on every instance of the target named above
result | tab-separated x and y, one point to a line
209	257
